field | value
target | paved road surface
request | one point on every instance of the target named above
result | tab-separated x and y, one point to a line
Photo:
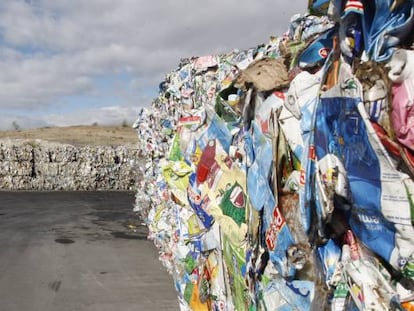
65	251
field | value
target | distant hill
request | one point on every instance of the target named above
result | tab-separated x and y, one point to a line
78	135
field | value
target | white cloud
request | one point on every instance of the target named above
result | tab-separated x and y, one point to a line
113	115
110	115
50	49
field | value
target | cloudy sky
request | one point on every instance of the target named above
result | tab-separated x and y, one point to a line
72	62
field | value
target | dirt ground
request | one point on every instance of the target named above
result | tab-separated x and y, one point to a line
78	135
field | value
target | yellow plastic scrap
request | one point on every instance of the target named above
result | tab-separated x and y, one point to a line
176	175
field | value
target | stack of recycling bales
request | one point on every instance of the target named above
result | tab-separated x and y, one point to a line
281	177
41	165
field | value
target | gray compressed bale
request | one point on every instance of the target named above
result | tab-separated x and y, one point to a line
68	168
42	165
38	183
22	153
4	168
3	152
84	169
39	155
7	182
23	168
51	169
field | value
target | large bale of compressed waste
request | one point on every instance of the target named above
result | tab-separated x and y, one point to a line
281	177
41	165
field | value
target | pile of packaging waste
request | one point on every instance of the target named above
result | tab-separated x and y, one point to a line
42	165
281	177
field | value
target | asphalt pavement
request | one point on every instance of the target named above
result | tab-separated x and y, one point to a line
76	251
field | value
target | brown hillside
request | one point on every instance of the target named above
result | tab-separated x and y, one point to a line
78	135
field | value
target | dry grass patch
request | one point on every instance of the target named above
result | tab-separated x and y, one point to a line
78	135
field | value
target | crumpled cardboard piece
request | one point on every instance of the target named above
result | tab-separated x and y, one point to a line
265	75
